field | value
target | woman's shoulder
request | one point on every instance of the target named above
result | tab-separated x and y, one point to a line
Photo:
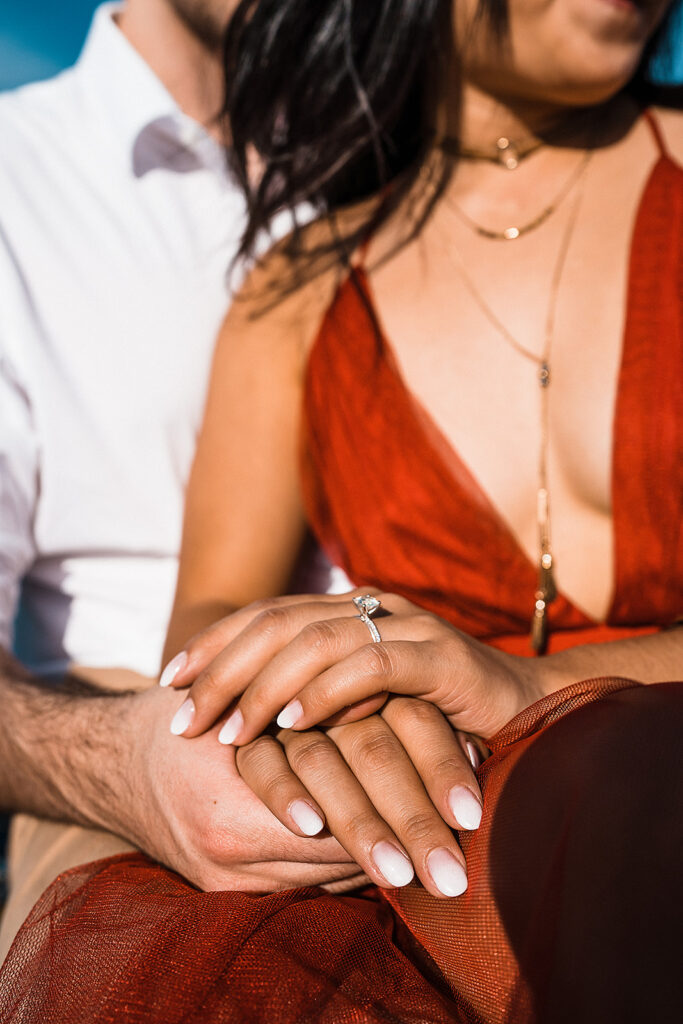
288	291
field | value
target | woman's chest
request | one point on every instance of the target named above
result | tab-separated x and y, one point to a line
468	331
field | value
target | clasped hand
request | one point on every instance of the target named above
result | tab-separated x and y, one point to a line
390	786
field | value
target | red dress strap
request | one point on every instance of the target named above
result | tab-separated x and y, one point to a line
358	263
653	125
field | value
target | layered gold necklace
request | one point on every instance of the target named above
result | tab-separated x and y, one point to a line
546	590
512	232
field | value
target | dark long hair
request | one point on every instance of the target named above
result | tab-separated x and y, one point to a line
339	100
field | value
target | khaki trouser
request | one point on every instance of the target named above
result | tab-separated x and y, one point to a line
39	850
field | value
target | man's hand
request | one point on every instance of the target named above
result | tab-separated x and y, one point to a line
191	810
108	760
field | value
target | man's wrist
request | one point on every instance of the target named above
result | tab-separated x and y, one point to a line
65	751
97	781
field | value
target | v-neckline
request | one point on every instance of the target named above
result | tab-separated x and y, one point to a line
420	412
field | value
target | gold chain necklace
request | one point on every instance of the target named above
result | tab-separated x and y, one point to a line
510	233
546	590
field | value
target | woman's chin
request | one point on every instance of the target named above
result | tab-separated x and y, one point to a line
588	93
580	82
582	57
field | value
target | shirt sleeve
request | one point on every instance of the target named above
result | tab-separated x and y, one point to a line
18	493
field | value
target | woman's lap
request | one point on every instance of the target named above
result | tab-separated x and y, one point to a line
564	831
572	891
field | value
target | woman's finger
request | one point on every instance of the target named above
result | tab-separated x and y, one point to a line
264	767
473	685
383	768
276	655
256	644
321	647
444	675
316	764
444	759
202	648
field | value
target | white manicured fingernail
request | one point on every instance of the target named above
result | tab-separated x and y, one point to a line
393	864
306	818
183	717
473	755
447	873
465	807
290	715
232	728
173	668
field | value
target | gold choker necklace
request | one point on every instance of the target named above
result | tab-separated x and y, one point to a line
506	153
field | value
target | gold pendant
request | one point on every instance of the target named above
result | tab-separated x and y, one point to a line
546	578
539	624
544	596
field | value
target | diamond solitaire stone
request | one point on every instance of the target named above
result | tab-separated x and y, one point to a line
367	605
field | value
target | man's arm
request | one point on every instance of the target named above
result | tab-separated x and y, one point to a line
108	760
50	740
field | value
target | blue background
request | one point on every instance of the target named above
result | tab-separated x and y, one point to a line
38	37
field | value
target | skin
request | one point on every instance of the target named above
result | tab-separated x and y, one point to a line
205	19
313	651
109	759
560	54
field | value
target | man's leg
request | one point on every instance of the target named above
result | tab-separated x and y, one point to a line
38	852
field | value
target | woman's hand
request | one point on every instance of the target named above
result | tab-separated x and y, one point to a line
311	659
390	789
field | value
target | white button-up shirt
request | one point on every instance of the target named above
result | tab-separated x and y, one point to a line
118	224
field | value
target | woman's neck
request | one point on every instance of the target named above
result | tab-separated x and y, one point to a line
547	143
483	119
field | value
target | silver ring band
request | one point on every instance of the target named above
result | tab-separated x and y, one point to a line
367	605
374	632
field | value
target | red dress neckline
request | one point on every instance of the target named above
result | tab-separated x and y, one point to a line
342	373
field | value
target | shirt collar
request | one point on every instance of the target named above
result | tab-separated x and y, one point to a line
139	109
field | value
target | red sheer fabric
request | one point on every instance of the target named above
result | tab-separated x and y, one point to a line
574	902
572	913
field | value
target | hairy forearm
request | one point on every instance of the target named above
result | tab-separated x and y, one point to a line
109	760
647	659
63	750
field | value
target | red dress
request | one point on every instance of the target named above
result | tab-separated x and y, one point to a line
395	506
574	901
